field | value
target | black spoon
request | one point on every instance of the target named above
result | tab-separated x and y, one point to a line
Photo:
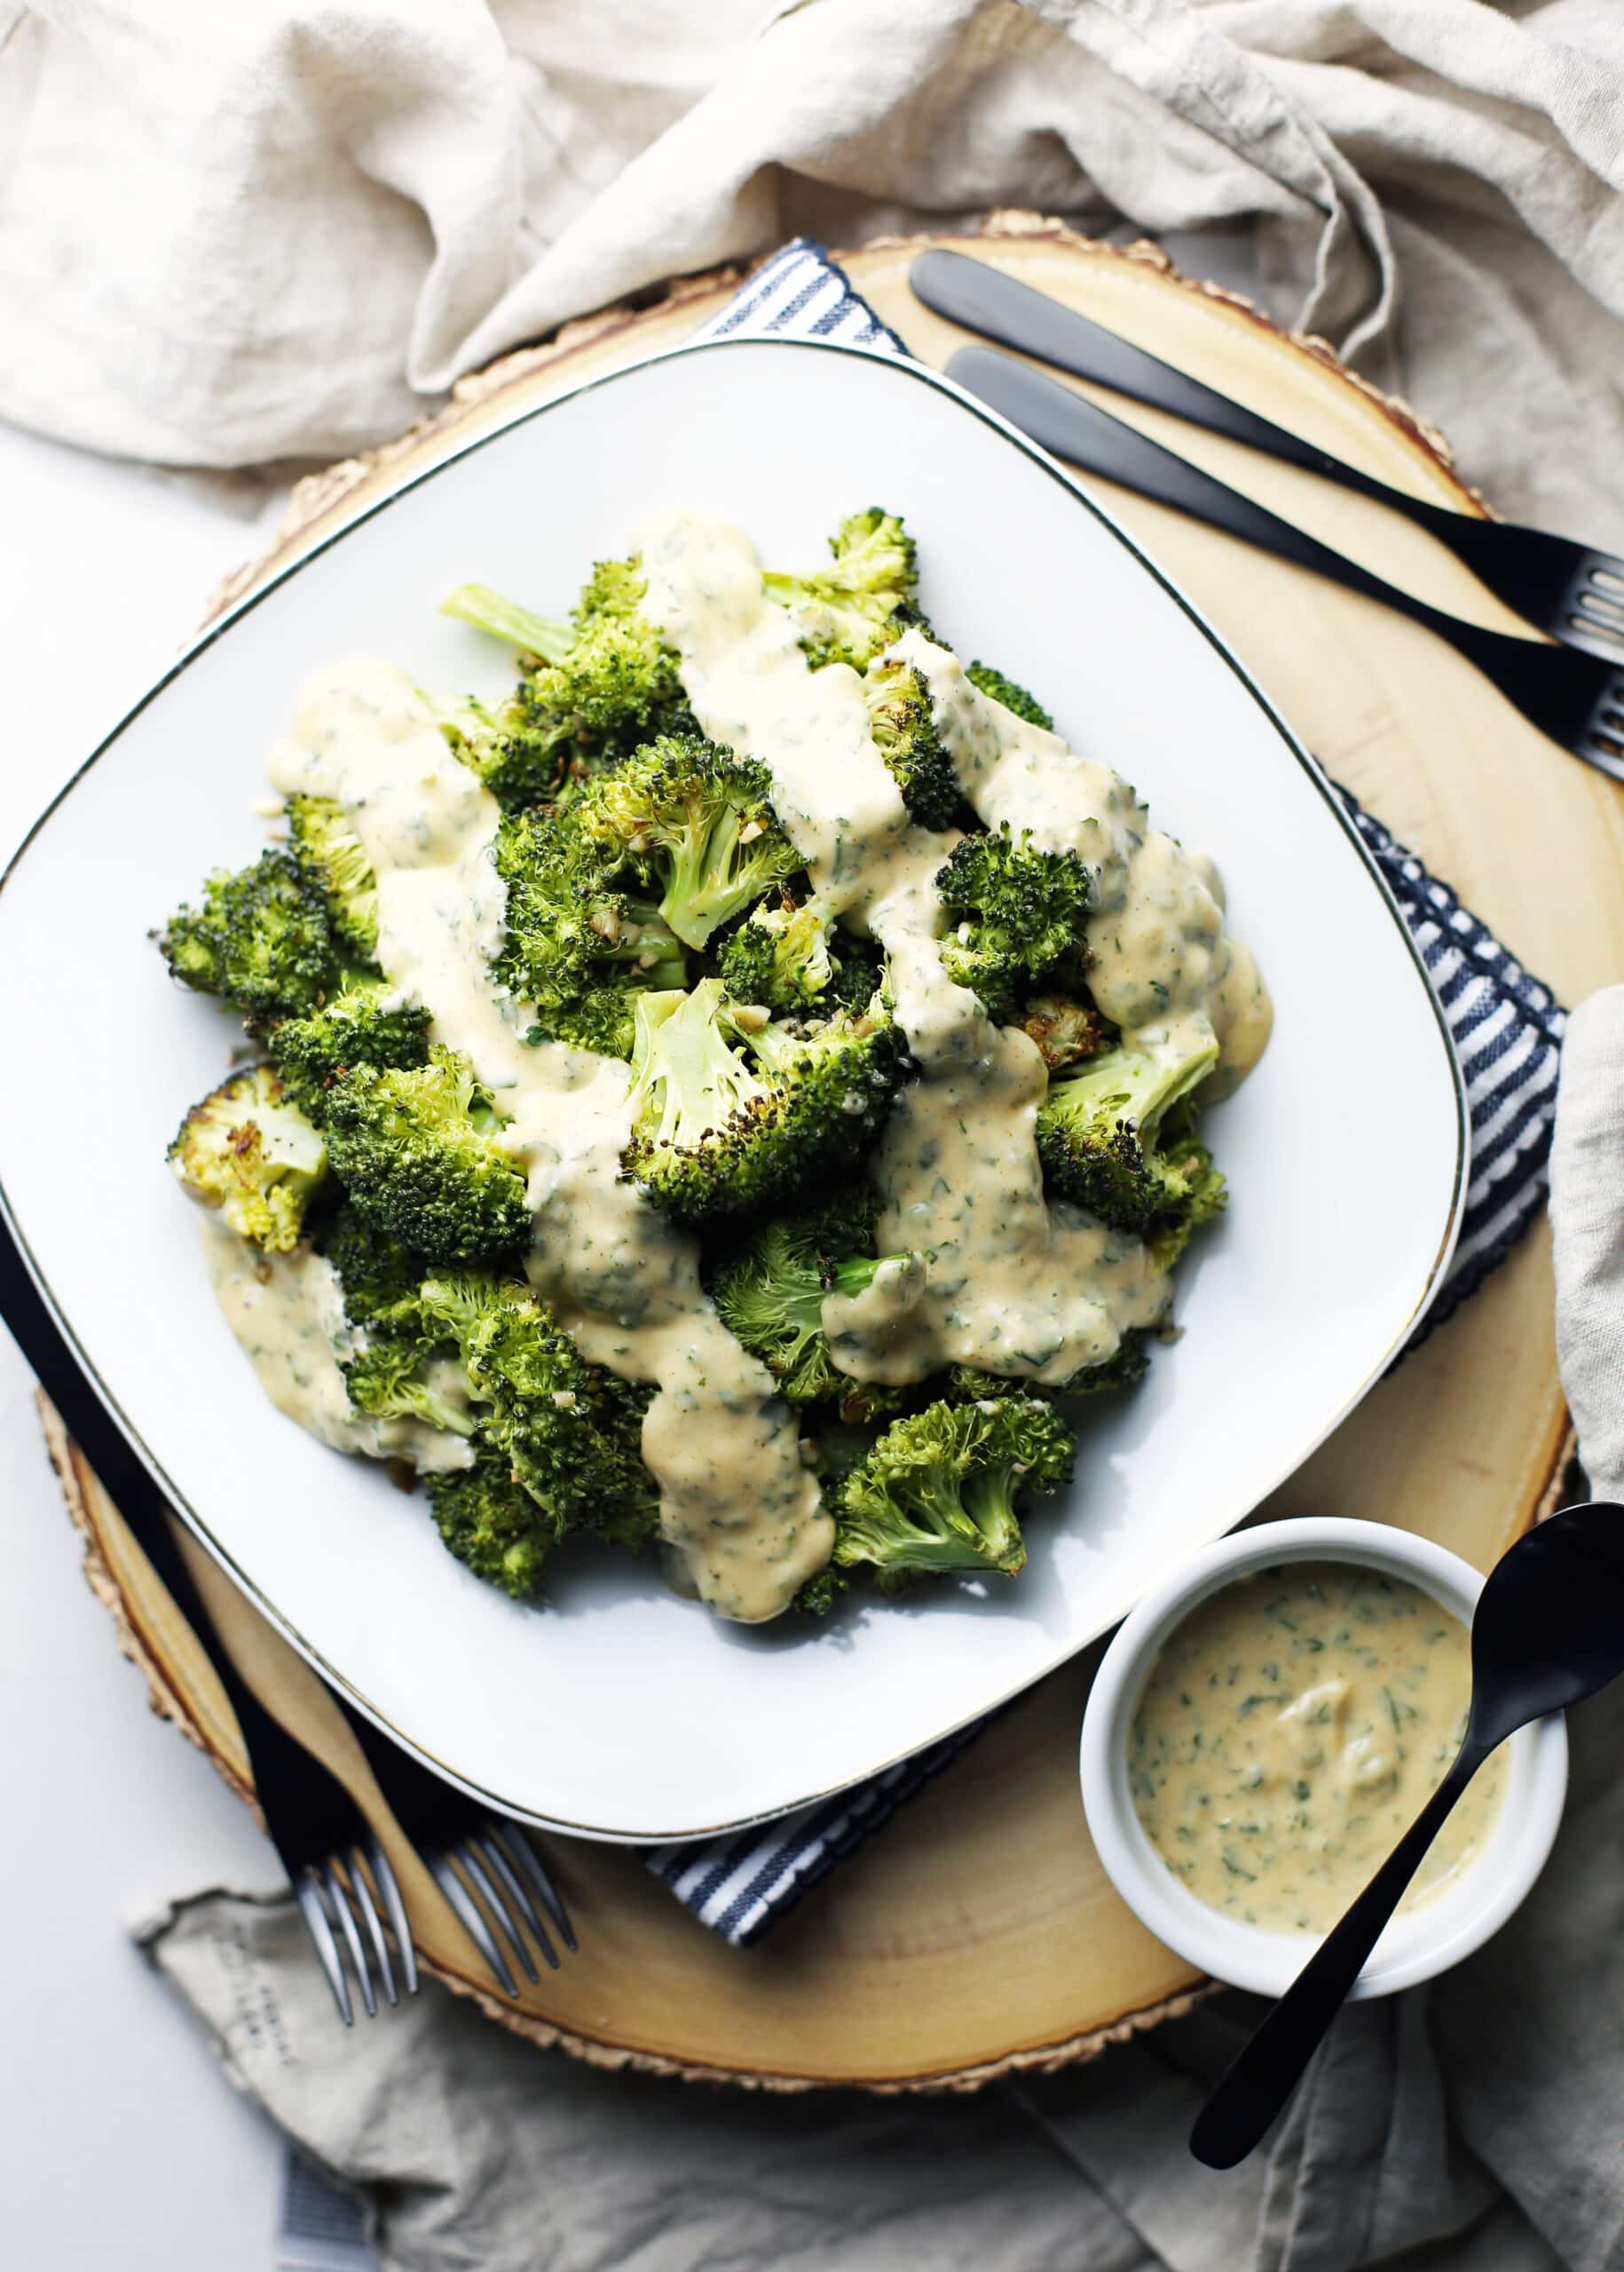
1549	1631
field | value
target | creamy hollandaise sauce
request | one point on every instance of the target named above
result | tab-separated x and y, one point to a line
1292	1727
993	1275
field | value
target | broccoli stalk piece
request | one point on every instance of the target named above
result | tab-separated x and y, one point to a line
903	728
997	688
332	860
1018	915
591	692
578	945
354	1028
938	1493
769	1295
845	614
570	1431
416	1153
490	1522
698	823
715	1133
249	1151
1098	1130
260	939
779	957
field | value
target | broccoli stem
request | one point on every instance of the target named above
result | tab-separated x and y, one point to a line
504	618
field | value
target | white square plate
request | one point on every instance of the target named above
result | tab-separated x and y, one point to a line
619	1711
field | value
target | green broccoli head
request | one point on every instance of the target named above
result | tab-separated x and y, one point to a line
1125	1369
733	1114
577	940
260	939
248	1150
849	611
698	823
779	957
939	1491
1195	1192
1097	1131
1067	1027
375	1271
331	858
999	688
490	1521
1018	916
570	1431
354	1028
903	728
401	1374
769	1295
416	1151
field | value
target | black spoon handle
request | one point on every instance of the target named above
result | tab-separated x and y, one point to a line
1267	2070
1077	430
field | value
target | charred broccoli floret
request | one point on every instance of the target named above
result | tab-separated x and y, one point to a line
733	1114
592	689
1017	915
248	1150
1125	1369
769	1295
1202	1194
999	688
578	944
492	1522
354	1028
845	614
903	728
260	939
779	957
331	858
1098	1133
1065	1027
570	1431
698	823
416	1151
938	1493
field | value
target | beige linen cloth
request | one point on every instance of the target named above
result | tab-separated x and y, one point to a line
233	233
1478	2125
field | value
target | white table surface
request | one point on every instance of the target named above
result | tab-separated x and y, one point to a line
126	2150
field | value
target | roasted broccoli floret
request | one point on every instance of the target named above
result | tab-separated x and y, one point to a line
1066	1029
260	939
1197	1192
376	1271
592	689
402	1375
1098	1133
698	823
999	688
845	614
492	1522
1017	916
903	728
330	855
967	1384
353	1028
248	1150
571	1432
779	957
733	1114
938	1493
769	1294
578	943
416	1151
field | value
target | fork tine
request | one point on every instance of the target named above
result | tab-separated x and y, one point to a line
319	1927
374	1923
337	1899
384	1878
473	1924
496	1907
513	1843
504	1870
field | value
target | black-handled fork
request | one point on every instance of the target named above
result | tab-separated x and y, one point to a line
486	1868
1574	698
1570	591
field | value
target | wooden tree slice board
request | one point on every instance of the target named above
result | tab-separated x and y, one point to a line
979	1934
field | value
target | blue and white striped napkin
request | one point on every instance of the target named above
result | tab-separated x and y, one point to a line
1508	1032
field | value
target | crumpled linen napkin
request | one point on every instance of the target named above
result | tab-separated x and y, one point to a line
234	234
1475	2124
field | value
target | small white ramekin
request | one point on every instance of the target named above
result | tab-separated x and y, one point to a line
1416	1945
